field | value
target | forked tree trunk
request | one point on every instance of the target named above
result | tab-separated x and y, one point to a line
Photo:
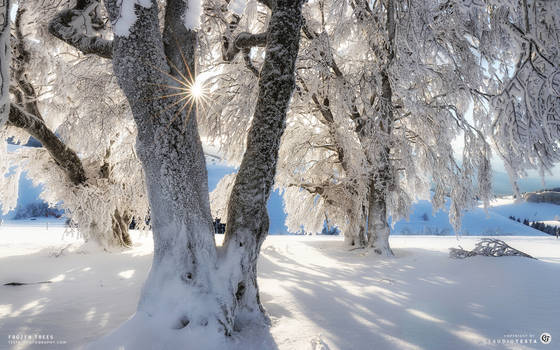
187	286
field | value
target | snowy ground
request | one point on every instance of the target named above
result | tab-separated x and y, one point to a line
319	294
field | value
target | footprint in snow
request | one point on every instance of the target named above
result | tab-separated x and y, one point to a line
318	344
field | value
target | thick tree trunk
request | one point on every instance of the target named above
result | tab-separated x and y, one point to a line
382	177
168	144
187	286
248	222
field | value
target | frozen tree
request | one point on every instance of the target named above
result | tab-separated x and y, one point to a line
523	43
373	119
385	91
102	188
192	284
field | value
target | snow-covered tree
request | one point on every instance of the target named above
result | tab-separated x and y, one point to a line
524	50
385	91
192	284
102	187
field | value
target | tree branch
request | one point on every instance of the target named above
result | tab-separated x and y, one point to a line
64	156
309	187
73	26
24	91
242	41
271	4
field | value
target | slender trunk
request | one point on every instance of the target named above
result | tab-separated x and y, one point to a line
4	61
248	222
382	180
120	225
359	239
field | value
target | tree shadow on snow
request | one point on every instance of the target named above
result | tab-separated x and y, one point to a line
89	295
419	299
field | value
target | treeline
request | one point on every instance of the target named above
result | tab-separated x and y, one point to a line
541	226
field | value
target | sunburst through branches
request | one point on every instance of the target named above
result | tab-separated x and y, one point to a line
188	94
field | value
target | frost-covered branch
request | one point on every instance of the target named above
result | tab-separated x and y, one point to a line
24	91
64	156
243	41
78	27
54	91
487	247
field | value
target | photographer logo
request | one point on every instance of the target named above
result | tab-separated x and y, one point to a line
546	338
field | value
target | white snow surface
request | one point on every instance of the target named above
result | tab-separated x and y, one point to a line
192	15
237	6
507	206
318	293
127	16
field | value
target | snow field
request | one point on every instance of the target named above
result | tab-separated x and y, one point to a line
318	293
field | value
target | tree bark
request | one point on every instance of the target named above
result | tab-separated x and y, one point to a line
120	225
381	178
378	228
64	156
182	275
72	26
4	61
248	221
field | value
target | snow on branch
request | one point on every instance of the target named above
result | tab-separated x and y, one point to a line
241	42
62	154
192	14
78	27
487	247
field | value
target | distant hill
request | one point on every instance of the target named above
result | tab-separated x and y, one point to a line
502	186
477	222
547	196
